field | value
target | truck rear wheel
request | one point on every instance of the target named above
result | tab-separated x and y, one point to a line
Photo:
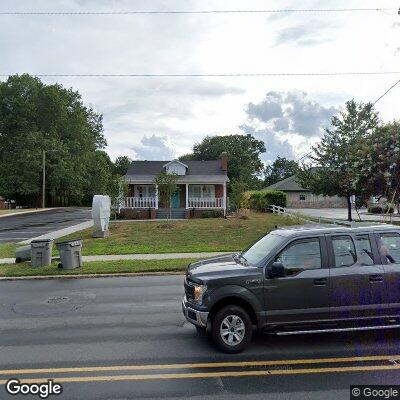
232	329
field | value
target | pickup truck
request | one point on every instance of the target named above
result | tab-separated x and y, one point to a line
298	280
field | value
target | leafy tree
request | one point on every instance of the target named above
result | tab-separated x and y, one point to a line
379	164
280	169
167	186
336	163
36	117
244	163
121	165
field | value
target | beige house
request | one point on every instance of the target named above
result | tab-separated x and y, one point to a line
299	197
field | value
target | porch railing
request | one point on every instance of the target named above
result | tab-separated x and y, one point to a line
139	202
215	202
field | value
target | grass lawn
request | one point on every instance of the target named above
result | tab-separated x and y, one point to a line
196	235
100	267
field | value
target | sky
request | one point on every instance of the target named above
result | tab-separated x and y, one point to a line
151	118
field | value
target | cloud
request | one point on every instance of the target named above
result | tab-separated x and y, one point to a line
154	148
308	34
291	112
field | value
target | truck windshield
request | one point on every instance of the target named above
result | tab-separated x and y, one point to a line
259	250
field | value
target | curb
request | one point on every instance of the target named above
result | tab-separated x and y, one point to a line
28	212
89	276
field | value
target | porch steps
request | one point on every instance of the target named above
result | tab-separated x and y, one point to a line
176	213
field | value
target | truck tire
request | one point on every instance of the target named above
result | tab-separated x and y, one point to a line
232	329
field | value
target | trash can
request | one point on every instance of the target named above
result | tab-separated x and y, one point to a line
41	252
70	254
22	254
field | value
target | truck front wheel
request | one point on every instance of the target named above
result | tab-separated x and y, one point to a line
232	329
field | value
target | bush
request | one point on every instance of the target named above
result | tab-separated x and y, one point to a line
379	208
260	200
212	214
128	213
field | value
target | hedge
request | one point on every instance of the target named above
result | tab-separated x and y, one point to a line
379	209
260	200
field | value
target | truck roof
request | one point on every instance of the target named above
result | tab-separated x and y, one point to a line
306	230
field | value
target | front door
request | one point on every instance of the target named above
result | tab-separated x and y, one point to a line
175	200
358	288
302	295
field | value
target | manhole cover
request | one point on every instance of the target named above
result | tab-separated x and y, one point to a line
58	303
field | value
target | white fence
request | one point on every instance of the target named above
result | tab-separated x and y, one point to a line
216	202
139	202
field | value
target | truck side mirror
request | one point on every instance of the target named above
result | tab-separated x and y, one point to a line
277	270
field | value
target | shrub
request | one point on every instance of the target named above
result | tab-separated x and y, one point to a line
379	208
212	214
128	213
260	200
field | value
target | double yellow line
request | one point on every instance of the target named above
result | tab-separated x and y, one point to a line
271	368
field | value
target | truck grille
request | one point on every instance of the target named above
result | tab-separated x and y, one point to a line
189	290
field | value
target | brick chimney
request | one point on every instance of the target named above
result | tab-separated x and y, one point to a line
224	161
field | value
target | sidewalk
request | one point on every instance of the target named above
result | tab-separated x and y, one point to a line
37	210
117	257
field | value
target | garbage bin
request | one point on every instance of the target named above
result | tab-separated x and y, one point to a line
70	254
22	254
41	252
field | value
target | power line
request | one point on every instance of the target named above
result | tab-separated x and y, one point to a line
194	75
267	11
387	91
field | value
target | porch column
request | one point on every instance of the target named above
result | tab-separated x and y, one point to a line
224	199
187	196
156	197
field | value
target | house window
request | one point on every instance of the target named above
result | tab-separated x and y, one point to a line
202	191
302	197
145	191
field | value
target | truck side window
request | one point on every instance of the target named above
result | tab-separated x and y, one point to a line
344	251
301	255
389	247
364	250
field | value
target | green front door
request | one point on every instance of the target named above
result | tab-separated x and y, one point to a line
175	200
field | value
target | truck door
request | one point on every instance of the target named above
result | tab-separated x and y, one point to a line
357	288
388	244
302	295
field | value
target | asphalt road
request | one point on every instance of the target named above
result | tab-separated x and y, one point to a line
18	227
125	338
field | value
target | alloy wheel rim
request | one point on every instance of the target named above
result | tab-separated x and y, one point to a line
232	330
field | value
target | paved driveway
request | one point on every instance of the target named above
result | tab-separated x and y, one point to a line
16	228
341	213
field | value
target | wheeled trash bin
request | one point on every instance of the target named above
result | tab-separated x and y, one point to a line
41	252
70	254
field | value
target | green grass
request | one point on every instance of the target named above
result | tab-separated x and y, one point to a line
98	267
15	210
196	235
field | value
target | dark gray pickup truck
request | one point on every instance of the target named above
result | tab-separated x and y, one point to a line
298	280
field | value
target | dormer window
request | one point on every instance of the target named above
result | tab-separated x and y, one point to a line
175	167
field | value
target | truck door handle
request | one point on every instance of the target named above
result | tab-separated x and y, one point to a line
320	282
375	278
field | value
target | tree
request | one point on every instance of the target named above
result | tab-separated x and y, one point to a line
336	163
237	194
36	117
243	155
379	163
280	169
167	186
121	165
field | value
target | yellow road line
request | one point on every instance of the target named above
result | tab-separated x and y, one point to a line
221	374
200	365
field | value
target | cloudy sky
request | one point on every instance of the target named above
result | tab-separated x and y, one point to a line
161	118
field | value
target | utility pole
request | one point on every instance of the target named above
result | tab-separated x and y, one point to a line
44	180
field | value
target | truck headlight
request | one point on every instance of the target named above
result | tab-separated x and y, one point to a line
199	291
